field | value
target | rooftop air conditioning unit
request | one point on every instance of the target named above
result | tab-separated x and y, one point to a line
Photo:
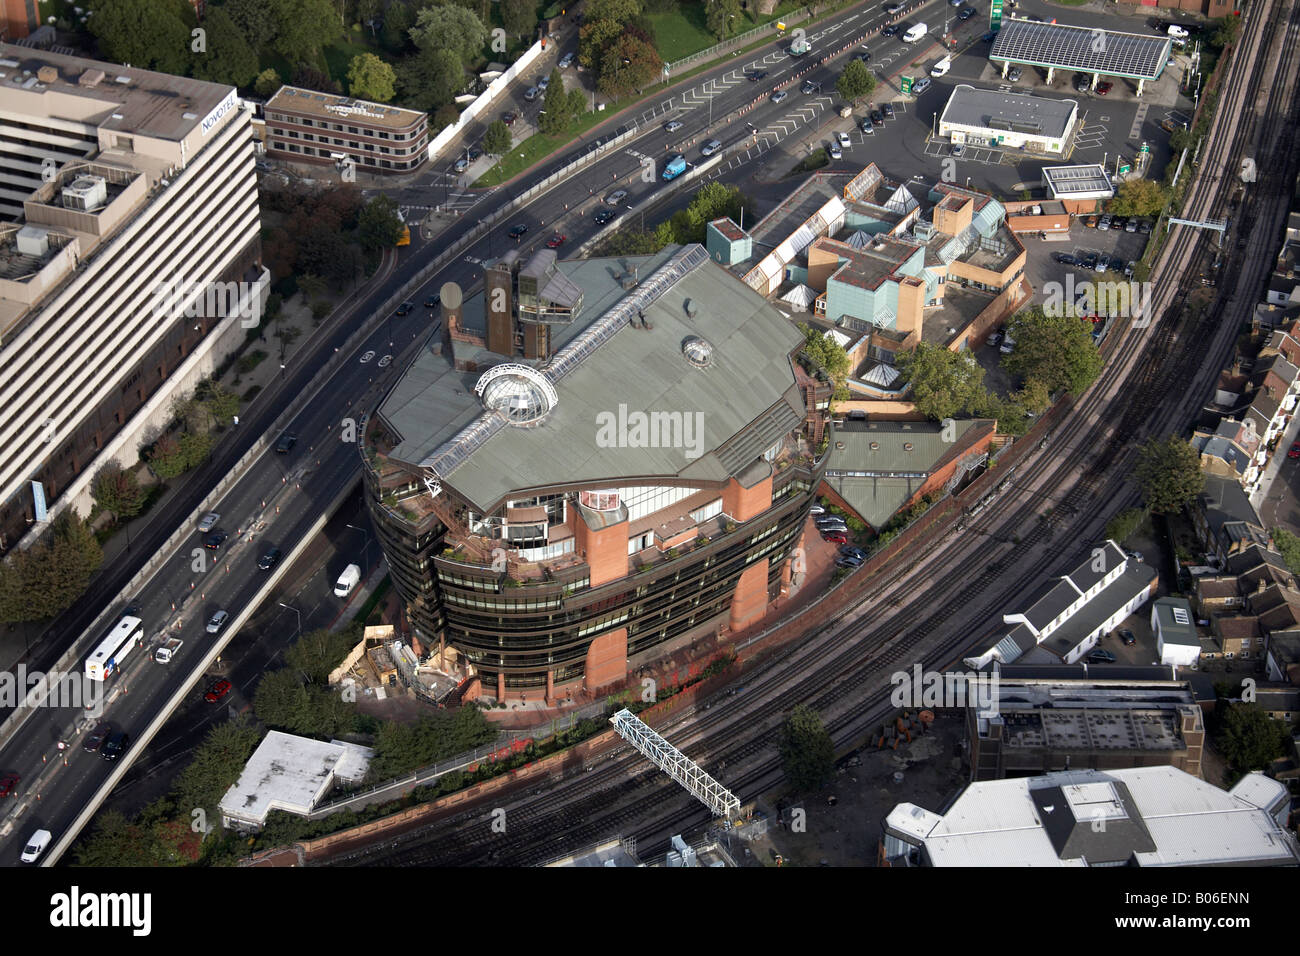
85	193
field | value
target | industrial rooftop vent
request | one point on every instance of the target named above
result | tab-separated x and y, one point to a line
85	193
627	280
691	309
521	395
698	351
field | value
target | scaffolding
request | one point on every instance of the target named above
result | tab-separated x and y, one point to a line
676	764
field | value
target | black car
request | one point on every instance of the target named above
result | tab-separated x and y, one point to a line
758	75
98	734
847	562
1144	227
849	551
115	746
269	560
888	110
1090	261
405	308
864	56
877	117
286	443
990	36
890	30
1127	637
433	302
1119	222
966	13
509	117
474	153
516	232
215	540
1099	656
603	216
1065	259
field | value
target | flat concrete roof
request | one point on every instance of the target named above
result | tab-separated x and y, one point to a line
1034	115
291	773
342	109
134	101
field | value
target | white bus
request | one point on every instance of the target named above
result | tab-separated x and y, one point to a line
104	660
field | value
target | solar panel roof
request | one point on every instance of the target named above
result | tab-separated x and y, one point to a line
1088	49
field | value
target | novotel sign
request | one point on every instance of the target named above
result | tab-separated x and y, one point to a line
222	108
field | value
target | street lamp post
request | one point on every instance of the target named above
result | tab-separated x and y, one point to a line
365	548
295	611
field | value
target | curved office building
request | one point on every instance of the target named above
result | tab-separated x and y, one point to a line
591	463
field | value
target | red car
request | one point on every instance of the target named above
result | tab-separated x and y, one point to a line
838	537
555	241
217	691
1295	451
8	783
1104	88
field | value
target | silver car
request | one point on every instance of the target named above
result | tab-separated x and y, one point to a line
217	622
711	147
616	197
209	522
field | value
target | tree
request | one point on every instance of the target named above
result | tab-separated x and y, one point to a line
497	139
720	17
370	78
620	11
823	351
281	700
228	57
557	116
401	748
430	80
379	224
267	82
117	491
116	842
631	242
165	458
856	82
1248	738
807	754
1120	527
221	404
450	28
1056	350
398	20
1288	545
594	37
315	655
303	27
1139	197
1169	474
255	20
1033	396
308	77
47	578
519	16
944	383
628	64
215	766
195	448
154	34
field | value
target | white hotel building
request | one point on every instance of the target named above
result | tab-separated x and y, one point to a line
117	185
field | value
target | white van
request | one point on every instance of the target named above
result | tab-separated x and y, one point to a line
347	581
1177	32
941	68
915	33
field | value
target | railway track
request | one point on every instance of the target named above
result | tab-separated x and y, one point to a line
844	672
